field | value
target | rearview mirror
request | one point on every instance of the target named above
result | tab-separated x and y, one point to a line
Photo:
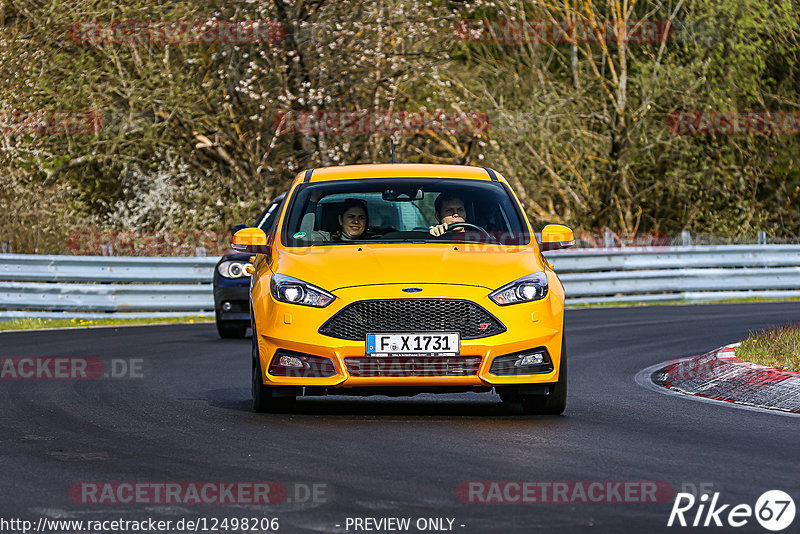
408	195
556	236
252	240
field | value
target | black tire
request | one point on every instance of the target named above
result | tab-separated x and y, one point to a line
556	402
264	400
508	394
229	331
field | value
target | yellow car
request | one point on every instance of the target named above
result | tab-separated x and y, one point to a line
400	279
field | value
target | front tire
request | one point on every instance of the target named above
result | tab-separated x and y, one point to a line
264	400
228	331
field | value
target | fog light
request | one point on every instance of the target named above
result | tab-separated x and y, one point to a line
525	362
226	306
290	361
530	359
297	364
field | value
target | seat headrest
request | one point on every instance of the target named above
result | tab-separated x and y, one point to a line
328	216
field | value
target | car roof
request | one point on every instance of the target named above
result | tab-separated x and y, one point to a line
397	170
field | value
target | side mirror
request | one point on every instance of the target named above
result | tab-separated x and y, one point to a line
556	236
237	228
252	240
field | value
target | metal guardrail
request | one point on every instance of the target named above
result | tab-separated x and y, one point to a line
669	274
58	286
30	268
635	259
106	297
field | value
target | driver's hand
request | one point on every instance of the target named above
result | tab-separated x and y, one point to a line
439	229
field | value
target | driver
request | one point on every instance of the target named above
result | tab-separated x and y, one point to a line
449	209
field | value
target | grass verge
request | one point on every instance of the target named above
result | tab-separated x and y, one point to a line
773	347
34	324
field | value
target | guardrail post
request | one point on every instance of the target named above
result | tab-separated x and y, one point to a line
686	238
608	239
6	247
762	238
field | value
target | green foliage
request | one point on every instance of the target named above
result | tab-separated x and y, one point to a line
579	128
592	140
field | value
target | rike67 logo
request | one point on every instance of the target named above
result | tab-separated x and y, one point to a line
774	510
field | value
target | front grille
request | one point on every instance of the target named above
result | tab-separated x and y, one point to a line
413	367
356	320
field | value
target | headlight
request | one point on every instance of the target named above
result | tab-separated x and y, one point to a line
232	269
526	289
287	289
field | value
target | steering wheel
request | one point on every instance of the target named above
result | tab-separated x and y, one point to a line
456	226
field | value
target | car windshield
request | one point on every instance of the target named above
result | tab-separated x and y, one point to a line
403	210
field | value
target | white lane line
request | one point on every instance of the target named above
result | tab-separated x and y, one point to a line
643	379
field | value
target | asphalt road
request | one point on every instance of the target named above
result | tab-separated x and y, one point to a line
189	419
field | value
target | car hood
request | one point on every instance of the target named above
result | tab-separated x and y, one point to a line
338	267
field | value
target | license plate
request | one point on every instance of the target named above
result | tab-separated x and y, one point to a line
423	344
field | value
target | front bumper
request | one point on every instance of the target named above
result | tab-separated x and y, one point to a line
295	328
237	293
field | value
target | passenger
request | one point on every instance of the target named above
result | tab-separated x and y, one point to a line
353	220
449	209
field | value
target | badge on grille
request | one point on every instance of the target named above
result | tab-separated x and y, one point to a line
412	289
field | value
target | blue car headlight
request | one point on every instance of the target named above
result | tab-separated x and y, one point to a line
287	289
526	289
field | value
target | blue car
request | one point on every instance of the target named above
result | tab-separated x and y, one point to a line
232	283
